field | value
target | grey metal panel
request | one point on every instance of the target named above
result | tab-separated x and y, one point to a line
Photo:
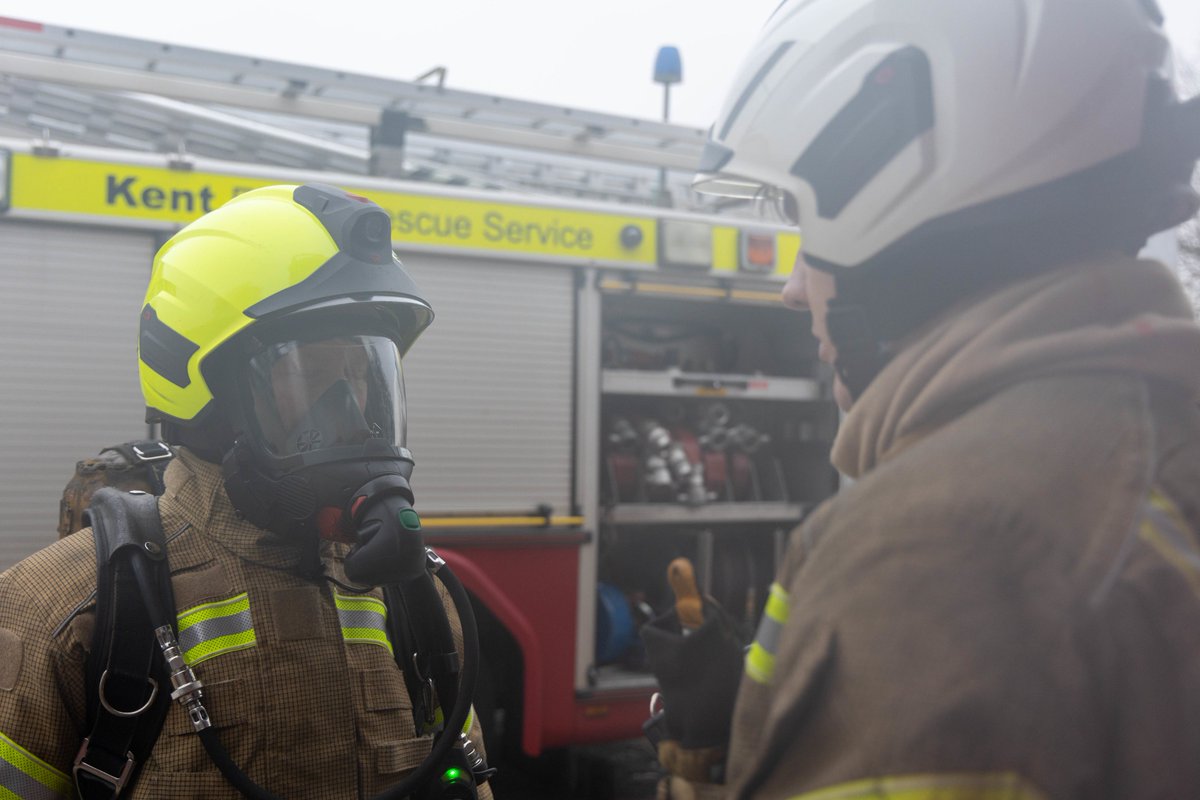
489	386
69	302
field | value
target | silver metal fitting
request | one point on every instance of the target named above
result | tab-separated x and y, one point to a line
475	760
186	688
436	562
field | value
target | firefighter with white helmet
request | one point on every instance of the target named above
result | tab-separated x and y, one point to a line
292	664
1004	602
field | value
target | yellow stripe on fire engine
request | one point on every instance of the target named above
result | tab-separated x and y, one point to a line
727	254
725	244
499	522
137	192
130	191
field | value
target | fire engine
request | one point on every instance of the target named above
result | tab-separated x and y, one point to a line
609	382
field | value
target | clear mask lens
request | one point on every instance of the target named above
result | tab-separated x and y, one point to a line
340	392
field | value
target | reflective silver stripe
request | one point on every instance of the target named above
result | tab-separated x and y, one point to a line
1163	528
760	658
775	616
1182	544
768	634
361	619
212	629
209	629
26	777
23	786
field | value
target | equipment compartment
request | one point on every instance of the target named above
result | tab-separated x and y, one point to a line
715	426
710	403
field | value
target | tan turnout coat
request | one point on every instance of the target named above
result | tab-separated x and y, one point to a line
1006	603
306	705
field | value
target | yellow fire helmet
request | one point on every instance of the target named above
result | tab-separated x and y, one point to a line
273	255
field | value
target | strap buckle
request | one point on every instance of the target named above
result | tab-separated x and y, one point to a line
117	782
431	722
148	452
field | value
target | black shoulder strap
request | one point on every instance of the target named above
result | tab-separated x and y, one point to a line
128	690
420	688
423	645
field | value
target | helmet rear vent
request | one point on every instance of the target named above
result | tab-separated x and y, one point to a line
893	108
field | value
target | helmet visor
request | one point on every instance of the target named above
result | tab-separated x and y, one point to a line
770	202
317	395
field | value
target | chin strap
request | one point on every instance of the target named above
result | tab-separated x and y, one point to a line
859	353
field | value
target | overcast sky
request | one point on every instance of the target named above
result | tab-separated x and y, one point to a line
594	54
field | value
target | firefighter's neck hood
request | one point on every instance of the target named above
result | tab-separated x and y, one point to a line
1111	313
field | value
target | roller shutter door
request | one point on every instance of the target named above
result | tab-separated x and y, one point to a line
489	387
69	303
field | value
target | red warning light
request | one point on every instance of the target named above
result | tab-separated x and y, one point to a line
758	252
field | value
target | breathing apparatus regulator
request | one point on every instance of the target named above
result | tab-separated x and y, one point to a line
930	150
272	338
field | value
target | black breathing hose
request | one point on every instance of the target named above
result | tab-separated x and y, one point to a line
208	737
462	706
238	779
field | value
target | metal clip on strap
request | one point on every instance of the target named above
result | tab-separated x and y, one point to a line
137	712
113	783
151	451
125	706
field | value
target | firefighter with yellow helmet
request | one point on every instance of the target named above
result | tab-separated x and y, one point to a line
270	349
1004	602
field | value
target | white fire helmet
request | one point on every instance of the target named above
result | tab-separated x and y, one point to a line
868	122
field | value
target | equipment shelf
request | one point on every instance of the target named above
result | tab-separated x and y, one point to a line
675	383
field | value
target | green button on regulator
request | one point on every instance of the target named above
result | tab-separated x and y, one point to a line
410	520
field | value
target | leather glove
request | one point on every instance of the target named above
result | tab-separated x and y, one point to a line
698	672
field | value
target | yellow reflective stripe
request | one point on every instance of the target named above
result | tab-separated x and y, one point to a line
760	658
466	728
439	719
24	776
363	619
760	665
208	611
213	629
1163	528
360	602
367	635
995	786
777	604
